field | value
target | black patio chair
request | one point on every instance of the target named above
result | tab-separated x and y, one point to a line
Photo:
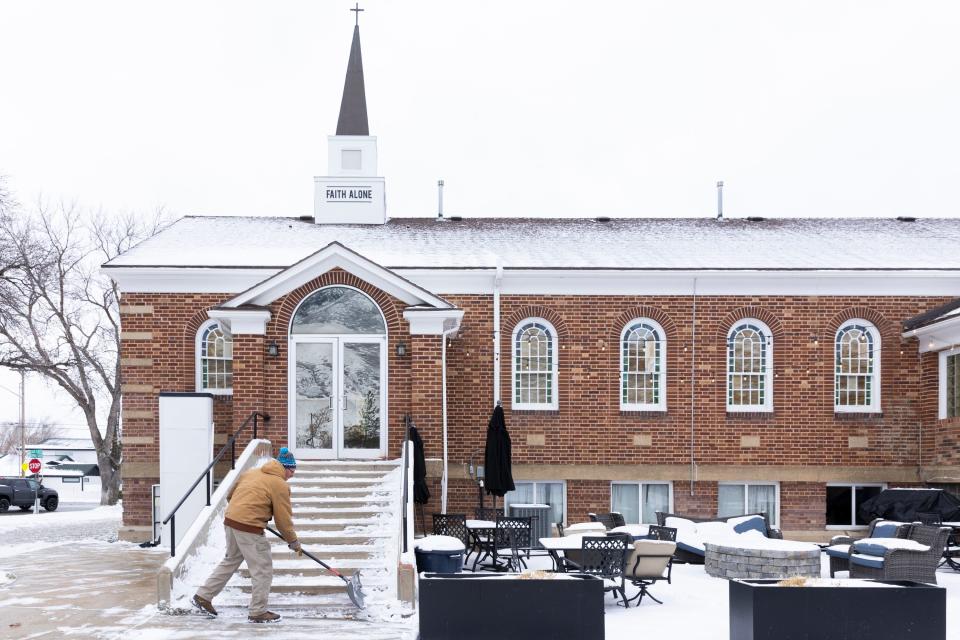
930	517
454	525
609	520
510	537
560	529
669	534
603	558
488	513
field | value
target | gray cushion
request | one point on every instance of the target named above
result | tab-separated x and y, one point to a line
839	551
867	561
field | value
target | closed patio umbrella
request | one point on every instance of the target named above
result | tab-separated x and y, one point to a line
421	493
497	462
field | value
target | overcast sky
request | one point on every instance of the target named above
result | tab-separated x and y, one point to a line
525	108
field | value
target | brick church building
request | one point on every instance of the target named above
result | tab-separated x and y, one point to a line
704	366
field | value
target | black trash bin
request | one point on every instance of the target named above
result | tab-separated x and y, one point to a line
439	554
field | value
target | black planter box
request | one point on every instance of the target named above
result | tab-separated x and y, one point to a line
467	606
909	610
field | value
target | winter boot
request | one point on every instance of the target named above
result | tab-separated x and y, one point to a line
204	605
266	616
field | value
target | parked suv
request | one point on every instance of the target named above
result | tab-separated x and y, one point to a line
21	492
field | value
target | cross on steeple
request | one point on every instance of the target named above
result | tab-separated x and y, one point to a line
356	10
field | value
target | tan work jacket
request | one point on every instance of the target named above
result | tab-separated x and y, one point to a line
258	495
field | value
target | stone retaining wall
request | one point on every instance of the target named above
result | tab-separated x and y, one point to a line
733	562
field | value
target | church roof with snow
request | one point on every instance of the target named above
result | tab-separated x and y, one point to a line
563	243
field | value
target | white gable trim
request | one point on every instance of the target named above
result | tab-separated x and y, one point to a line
232	280
938	336
335	255
432	322
238	321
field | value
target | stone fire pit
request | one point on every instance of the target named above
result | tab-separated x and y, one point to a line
771	559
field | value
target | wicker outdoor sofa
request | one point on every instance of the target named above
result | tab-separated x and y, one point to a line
903	564
839	549
685	554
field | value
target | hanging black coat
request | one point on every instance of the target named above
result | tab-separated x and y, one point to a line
498	472
421	494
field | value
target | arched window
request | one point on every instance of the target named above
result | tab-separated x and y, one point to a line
534	365
750	367
214	359
857	368
338	310
643	350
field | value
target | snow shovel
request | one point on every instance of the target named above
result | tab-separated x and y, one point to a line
354	589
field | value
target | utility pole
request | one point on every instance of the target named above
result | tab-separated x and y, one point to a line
23	420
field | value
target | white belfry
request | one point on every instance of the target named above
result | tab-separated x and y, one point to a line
351	193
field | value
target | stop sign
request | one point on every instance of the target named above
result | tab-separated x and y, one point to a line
34	466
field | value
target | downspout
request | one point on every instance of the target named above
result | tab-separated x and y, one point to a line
693	395
497	282
445	476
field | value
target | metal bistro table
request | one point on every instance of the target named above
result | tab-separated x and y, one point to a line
481	531
565	545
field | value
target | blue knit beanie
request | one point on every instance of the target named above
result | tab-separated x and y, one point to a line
286	458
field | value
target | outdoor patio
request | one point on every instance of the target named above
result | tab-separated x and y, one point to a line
71	582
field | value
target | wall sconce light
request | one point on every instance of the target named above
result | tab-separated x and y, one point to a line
401	349
273	349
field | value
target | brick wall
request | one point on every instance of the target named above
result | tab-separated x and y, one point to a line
589	431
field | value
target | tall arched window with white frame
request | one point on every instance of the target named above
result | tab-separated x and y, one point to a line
535	365
214	359
643	372
750	367
857	368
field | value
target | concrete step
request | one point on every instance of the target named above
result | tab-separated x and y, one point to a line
336	605
335	538
310	585
360	512
316	570
347	465
307	496
337	553
337	483
309	472
304	528
346	503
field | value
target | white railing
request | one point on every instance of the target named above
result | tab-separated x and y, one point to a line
406	566
208	518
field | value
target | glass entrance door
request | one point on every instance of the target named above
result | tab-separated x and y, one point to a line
337	396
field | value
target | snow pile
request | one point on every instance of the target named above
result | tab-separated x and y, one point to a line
47	519
697	534
440	543
889	543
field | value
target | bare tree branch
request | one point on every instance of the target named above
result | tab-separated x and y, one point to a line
59	315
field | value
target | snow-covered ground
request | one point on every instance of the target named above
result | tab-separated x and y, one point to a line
61	577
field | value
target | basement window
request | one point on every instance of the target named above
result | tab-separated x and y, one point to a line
640	501
740	498
843	504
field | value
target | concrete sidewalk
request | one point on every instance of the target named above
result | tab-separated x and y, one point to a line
72	582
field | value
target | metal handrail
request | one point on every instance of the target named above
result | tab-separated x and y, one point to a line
408	421
231	443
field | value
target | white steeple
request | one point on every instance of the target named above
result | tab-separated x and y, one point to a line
351	193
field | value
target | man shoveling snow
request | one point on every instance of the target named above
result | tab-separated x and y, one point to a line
258	495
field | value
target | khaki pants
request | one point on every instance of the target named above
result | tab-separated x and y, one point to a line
255	550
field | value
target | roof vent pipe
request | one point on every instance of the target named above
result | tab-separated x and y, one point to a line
720	200
440	201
